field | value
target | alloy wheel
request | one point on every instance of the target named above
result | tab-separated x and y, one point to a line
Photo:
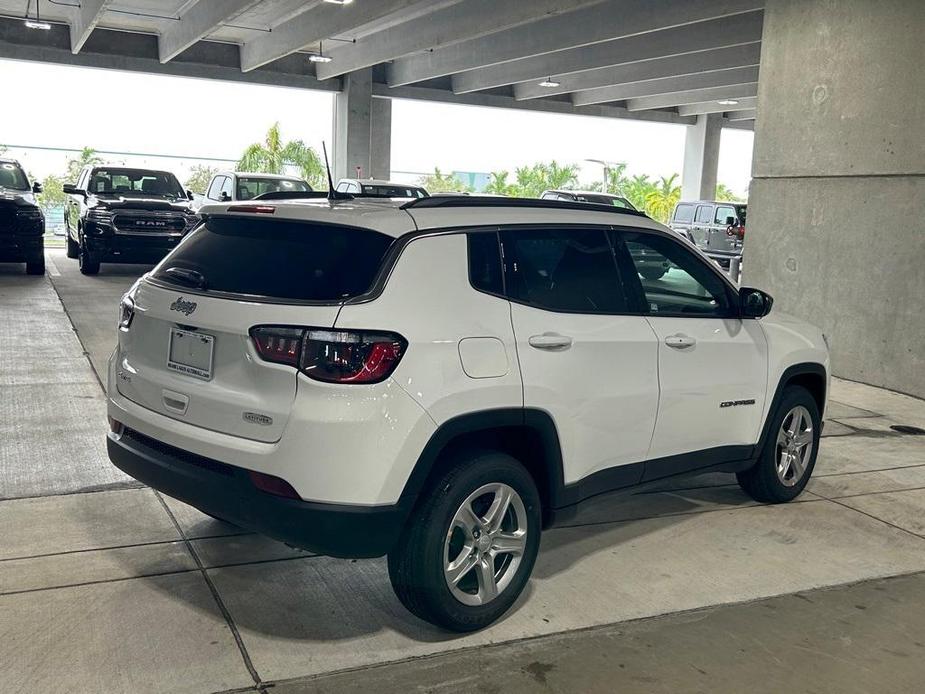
485	544
794	446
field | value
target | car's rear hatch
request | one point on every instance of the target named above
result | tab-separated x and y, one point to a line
187	352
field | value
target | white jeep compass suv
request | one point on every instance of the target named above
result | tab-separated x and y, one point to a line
439	381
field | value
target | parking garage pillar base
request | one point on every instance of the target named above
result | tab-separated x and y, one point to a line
834	221
701	158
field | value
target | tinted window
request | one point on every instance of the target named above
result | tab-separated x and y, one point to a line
722	213
684	213
485	262
688	287
704	214
12	177
563	270
281	259
135	182
249	187
379	191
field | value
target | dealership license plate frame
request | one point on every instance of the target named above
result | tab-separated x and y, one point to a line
198	360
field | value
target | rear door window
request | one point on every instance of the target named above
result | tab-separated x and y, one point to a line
276	259
722	213
565	270
684	213
704	214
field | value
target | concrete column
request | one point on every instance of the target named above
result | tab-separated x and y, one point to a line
701	158
834	220
380	165
352	126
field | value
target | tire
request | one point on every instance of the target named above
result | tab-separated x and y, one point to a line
653	273
89	264
418	563
72	247
36	266
777	478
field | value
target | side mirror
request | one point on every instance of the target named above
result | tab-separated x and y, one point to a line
225	197
189	194
36	187
71	189
754	303
731	222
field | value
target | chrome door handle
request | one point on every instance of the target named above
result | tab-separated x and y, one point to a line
550	341
680	341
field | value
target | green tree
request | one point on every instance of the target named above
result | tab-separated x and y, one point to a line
662	199
438	182
272	155
724	192
52	194
199	177
87	157
616	179
498	184
533	180
636	188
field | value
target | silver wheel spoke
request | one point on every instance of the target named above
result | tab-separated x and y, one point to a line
463	565
805	437
794	446
488	588
782	438
796	463
502	501
466	519
796	423
509	543
784	466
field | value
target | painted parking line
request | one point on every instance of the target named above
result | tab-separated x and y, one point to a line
50	266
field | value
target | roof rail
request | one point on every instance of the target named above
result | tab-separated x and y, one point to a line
475	201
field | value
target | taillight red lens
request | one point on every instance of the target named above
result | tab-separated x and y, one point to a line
742	231
348	356
332	356
273	485
278	344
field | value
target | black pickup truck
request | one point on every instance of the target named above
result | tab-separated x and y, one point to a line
22	224
118	214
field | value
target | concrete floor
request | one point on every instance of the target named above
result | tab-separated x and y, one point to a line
107	586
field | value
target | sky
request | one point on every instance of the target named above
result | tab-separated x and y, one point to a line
215	121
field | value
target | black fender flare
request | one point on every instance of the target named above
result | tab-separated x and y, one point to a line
801	369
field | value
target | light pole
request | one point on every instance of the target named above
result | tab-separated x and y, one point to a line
607	166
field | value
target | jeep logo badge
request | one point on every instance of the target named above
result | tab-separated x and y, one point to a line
260	419
183	306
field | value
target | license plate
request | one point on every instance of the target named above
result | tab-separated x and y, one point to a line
190	353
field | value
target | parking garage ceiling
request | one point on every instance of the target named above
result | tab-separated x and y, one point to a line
664	60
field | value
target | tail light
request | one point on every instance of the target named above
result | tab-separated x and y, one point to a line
332	356
126	313
741	231
273	485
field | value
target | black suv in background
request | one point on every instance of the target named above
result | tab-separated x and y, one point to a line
118	214
22	224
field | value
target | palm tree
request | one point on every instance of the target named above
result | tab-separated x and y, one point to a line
87	157
273	155
662	199
724	192
438	182
636	188
498	184
560	176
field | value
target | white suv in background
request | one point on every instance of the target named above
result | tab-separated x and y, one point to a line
237	186
438	381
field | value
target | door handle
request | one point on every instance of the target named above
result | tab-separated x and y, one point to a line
550	341
680	341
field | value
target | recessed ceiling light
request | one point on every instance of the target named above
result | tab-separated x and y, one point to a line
38	25
549	82
727	102
339	2
320	58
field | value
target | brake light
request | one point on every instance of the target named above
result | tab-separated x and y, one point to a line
253	209
126	312
278	344
332	356
741	231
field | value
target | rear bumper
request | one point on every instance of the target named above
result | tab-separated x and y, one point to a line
226	491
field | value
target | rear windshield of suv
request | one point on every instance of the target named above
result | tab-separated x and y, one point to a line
298	261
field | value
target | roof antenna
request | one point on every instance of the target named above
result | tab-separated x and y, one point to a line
332	194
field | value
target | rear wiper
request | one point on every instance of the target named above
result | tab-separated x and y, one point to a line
191	278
